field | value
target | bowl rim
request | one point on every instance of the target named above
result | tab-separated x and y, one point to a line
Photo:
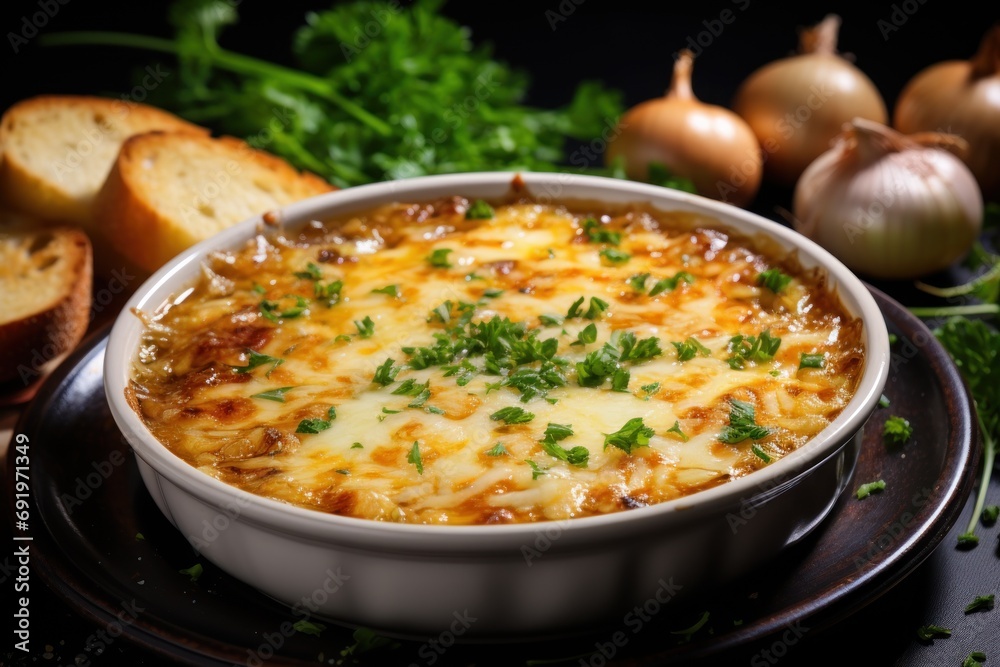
316	525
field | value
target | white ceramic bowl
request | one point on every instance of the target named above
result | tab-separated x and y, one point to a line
515	580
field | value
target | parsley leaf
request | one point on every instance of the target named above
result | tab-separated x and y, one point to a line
274	311
414	457
866	490
597	366
620	380
277	395
480	210
689	348
596	233
391	290
312	425
760	453
195	571
757	349
312	272
638	282
439	258
896	430
632	435
676	429
807	360
255	359
553	320
742	424
497	450
614	257
536	471
577	456
928	632
512	415
308	627
386	373
774	280
328	294
650	389
670	284
980	603
587	335
366	327
597	306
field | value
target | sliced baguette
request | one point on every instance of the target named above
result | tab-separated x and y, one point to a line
45	296
168	191
58	149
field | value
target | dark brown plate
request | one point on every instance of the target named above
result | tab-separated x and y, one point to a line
89	504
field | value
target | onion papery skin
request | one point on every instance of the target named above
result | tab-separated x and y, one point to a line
889	214
796	106
708	144
958	98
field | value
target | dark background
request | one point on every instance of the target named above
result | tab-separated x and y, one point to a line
629	46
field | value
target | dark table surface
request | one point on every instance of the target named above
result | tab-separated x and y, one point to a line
628	46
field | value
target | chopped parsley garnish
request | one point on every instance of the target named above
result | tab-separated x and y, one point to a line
439	258
274	311
632	435
366	327
980	603
391	290
752	349
690	348
479	210
313	425
577	456
465	372
884	401
760	453
587	336
256	359
536	471
308	627
896	430
638	282
774	280
990	514
408	387
641	350
597	366
614	257
390	411
329	293
742	424
620	380
676	429
434	410
866	490
596	233
414	457
552	320
492	292
312	272
597	306
277	395
342	338
974	659
497	450
512	415
650	389
807	360
386	373
670	284
357	445
258	288
928	632
195	571
421	397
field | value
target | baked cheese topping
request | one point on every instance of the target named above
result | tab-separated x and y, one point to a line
459	363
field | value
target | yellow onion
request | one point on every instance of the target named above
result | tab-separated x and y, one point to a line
961	97
797	105
708	144
889	205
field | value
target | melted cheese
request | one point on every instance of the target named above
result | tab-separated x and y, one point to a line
389	456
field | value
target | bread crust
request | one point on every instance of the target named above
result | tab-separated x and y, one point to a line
30	343
31	191
141	229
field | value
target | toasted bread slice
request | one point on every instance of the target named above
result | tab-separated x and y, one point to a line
168	191
58	149
45	296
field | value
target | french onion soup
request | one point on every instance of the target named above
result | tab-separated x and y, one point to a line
460	362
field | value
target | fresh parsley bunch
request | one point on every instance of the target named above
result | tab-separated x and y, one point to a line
416	98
